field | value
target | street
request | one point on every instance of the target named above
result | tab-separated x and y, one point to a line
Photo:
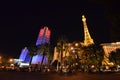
56	76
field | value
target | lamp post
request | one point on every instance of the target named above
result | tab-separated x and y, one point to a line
10	61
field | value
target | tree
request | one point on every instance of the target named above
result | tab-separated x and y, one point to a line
50	55
43	49
61	46
32	52
92	55
115	57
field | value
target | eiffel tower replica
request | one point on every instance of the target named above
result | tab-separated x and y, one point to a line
87	38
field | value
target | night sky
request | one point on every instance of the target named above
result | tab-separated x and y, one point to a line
20	22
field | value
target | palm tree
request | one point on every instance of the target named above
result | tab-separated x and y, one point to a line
43	49
32	52
50	55
62	41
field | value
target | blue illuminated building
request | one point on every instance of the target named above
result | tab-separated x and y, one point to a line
38	58
43	37
24	56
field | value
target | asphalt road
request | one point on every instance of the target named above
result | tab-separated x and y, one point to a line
56	76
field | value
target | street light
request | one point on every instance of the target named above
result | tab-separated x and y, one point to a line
72	48
76	44
10	60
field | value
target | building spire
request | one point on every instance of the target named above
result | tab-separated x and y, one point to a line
87	38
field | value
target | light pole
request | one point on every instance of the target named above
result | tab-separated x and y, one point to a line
10	61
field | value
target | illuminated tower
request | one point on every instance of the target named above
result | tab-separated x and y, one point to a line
43	37
87	38
24	56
